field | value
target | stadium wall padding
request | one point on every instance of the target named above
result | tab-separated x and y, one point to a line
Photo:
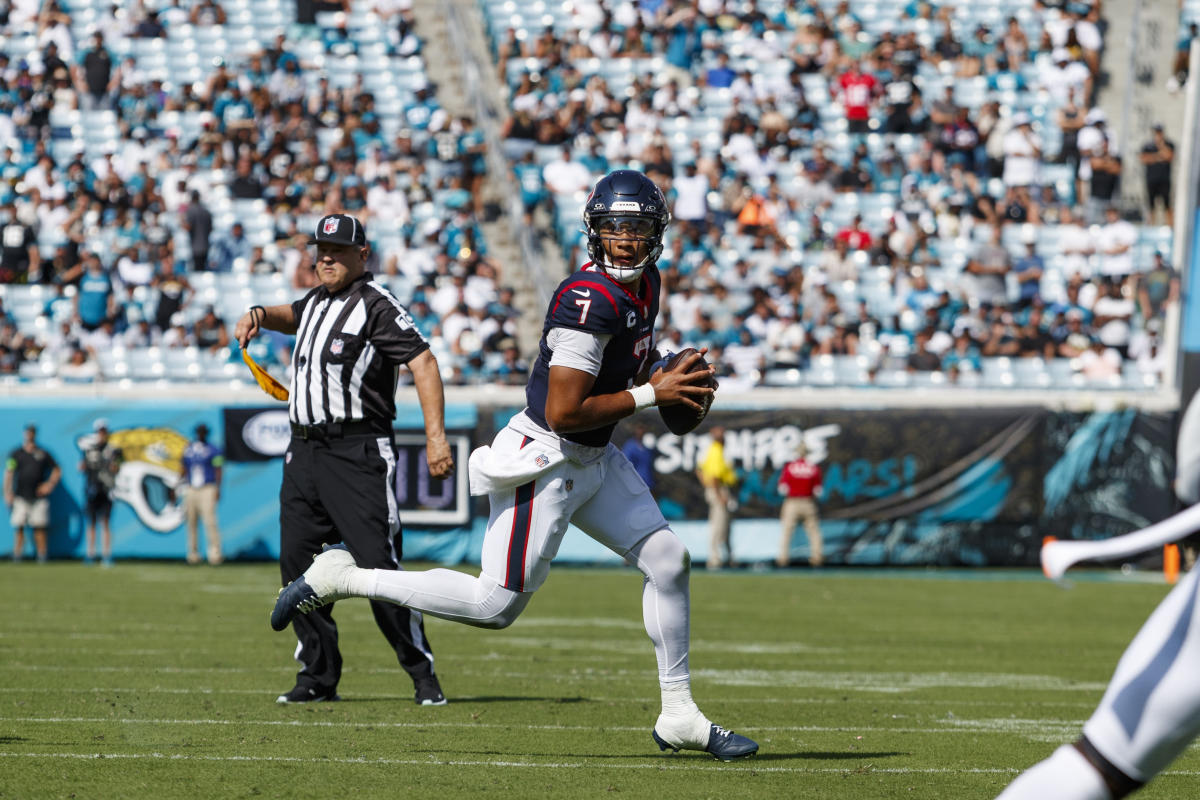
972	486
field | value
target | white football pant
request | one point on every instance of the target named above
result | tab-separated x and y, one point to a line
606	499
1148	715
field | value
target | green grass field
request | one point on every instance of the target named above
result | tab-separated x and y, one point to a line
158	681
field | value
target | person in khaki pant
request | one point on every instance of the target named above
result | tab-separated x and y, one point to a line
200	470
718	478
800	485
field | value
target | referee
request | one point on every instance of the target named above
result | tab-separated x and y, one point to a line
352	335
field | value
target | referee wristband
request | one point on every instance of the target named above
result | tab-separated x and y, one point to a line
643	396
259	319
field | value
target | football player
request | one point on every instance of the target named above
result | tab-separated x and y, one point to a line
1150	712
553	464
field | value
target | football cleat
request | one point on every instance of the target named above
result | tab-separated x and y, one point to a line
317	587
429	692
723	744
308	694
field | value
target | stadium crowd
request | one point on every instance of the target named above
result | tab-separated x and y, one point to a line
163	160
885	193
889	193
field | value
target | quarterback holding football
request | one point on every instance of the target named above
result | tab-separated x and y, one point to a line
553	464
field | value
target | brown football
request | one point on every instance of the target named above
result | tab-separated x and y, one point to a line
681	419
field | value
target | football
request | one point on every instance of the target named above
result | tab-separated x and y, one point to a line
681	419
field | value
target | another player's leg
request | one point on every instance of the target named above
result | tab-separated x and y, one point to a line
1149	714
41	544
106	535
89	513
212	529
191	514
788	517
623	516
812	526
304	526
524	529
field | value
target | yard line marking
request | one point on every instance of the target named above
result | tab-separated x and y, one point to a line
690	765
880	682
933	727
891	701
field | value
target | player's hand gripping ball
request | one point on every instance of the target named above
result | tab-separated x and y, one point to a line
681	419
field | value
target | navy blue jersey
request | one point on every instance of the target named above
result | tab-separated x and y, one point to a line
589	300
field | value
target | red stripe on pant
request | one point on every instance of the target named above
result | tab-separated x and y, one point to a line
518	540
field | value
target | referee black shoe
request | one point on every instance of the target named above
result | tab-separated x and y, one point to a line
429	692
308	694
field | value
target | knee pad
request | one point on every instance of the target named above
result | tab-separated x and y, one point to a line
662	557
501	607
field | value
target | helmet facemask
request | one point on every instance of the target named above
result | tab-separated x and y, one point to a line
628	235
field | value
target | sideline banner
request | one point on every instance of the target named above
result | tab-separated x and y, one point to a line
966	486
147	519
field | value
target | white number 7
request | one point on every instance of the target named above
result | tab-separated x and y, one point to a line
585	305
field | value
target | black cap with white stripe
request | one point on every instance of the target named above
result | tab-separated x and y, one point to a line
339	229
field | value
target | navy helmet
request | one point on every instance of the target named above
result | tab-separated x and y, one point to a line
625	200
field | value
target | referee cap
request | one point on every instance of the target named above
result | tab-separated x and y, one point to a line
339	229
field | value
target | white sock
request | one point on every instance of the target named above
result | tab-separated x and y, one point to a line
681	723
677	698
1065	775
360	582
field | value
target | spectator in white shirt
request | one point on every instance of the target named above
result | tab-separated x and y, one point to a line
1075	244
565	176
691	196
387	202
1111	314
1114	243
1022	152
746	357
1099	362
1061	76
684	305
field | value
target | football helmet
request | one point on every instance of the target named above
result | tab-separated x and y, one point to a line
625	202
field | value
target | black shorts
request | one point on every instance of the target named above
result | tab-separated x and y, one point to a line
1158	191
98	506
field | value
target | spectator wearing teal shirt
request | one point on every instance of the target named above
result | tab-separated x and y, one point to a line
95	301
532	185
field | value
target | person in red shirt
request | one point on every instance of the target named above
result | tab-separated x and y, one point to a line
858	237
858	90
800	485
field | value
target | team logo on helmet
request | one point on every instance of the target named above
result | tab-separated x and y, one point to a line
331	226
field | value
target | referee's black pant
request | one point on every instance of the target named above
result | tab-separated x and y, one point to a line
342	490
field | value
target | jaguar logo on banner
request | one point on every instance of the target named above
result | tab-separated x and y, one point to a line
149	473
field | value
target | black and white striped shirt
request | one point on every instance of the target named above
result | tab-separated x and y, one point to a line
349	348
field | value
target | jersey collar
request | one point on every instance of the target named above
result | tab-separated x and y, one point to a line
641	300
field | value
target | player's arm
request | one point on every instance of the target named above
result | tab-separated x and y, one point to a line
9	467
569	409
280	318
427	379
